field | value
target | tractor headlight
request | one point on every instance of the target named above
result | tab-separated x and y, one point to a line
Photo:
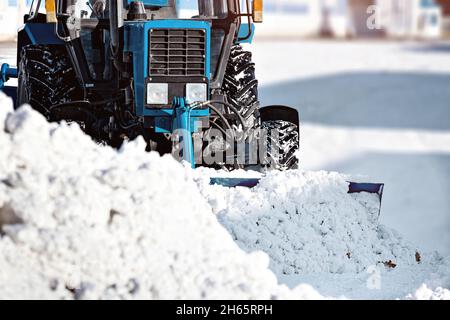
196	92
158	93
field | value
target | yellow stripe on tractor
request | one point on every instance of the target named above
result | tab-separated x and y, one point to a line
50	9
258	9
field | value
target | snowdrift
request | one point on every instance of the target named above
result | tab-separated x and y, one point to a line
308	223
83	221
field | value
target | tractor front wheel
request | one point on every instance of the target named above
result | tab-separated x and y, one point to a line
241	86
46	78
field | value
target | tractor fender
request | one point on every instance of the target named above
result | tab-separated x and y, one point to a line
279	112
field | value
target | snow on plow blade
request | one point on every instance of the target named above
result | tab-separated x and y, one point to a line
354	187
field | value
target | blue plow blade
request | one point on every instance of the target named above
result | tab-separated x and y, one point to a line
374	188
354	187
235	182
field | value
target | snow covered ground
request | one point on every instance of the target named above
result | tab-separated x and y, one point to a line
373	109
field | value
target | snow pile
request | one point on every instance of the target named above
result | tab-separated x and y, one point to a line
82	221
436	288
425	293
307	223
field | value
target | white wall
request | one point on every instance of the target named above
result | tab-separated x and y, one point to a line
294	18
11	18
287	18
398	18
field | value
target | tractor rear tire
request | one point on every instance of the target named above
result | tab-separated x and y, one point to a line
282	126
46	78
282	123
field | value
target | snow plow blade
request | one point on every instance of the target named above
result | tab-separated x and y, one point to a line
235	182
374	188
354	187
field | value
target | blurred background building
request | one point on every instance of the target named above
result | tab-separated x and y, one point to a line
423	19
445	5
11	17
410	18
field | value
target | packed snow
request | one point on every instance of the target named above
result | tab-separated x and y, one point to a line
308	223
314	232
83	221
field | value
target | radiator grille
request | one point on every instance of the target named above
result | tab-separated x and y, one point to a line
177	52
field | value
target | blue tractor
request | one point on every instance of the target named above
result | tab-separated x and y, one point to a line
171	71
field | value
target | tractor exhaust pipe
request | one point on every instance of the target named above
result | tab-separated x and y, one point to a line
115	23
